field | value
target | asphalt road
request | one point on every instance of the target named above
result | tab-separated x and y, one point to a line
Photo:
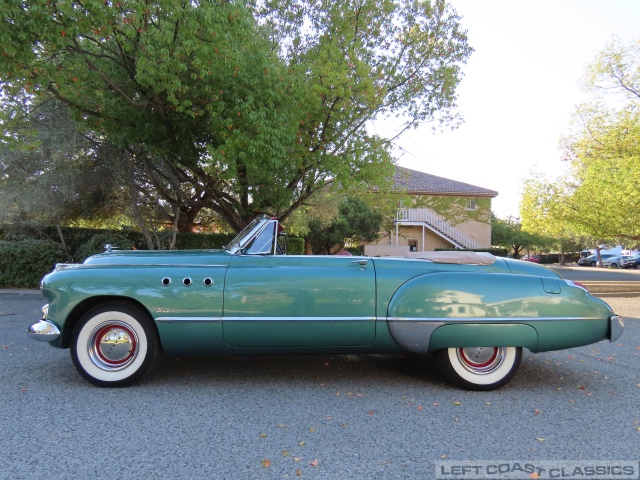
586	274
324	417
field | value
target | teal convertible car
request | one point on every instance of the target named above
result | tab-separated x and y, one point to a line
473	311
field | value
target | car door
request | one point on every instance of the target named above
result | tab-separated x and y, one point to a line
299	301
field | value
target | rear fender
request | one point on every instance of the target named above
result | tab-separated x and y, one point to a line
452	309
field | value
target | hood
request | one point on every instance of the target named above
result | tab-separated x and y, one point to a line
159	257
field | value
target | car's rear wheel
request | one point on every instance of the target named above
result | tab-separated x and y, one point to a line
114	344
592	264
479	368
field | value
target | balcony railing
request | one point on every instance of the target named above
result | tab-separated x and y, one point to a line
436	224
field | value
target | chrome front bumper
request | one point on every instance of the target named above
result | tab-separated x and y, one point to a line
43	331
616	327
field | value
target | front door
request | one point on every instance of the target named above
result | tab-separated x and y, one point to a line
305	301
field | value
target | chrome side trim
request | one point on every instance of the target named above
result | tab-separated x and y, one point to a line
617	327
267	319
299	319
43	331
490	319
187	319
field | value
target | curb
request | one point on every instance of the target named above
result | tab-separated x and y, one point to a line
19	291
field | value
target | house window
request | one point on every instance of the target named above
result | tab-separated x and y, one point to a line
413	245
471	205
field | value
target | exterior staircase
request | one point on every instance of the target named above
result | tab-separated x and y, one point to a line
431	221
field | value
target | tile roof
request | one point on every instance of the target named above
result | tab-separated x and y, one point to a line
420	183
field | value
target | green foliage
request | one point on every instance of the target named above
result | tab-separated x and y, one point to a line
510	235
23	263
199	241
595	202
240	110
295	245
356	222
97	243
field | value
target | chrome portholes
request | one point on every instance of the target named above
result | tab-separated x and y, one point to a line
188	281
112	345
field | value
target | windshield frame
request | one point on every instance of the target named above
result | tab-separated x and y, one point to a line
245	238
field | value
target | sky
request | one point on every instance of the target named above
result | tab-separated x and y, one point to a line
519	90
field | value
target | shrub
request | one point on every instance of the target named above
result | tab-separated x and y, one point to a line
295	245
97	242
199	241
23	263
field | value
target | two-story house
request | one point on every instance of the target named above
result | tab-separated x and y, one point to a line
435	212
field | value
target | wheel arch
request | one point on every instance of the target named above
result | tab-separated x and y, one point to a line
87	304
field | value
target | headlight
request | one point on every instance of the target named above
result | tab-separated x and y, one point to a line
45	311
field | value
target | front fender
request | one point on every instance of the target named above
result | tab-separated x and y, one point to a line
186	313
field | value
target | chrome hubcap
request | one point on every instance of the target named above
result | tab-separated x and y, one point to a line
113	345
481	360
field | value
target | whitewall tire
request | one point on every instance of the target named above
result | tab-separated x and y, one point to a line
479	368
114	344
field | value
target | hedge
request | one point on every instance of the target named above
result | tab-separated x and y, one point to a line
29	253
23	263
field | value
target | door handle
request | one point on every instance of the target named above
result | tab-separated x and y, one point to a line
361	262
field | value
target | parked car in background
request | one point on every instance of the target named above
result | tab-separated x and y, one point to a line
632	261
592	260
531	258
475	312
614	262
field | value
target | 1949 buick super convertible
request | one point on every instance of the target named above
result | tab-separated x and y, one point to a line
475	312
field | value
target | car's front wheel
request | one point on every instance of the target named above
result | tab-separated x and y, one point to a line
114	344
479	368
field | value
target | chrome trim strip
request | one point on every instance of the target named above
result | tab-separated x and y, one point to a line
187	319
617	327
267	319
299	319
43	331
490	319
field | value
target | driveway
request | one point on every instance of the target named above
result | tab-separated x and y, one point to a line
318	417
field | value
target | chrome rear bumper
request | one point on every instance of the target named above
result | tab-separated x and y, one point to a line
43	331
616	327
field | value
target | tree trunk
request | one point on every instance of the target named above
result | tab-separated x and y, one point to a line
186	217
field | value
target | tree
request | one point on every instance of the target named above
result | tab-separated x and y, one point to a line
356	222
510	235
52	175
235	110
542	209
599	194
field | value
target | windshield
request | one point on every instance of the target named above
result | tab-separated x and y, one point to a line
257	238
244	233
